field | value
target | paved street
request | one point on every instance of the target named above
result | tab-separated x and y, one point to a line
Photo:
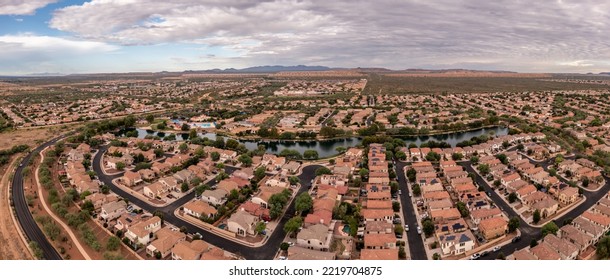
265	252
416	244
24	216
528	232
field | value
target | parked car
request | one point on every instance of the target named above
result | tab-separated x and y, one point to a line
282	258
290	244
516	239
399	192
497	248
475	256
406	228
418	230
484	253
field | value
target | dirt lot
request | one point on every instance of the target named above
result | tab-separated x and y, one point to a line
12	247
27	136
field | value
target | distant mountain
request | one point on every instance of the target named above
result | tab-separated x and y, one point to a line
265	69
604	73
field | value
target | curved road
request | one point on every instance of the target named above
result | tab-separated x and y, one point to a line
528	232
265	252
22	210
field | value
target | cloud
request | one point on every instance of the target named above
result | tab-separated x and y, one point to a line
22	7
511	35
28	52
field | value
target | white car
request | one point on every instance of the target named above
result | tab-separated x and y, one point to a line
418	230
399	192
497	248
282	258
406	227
475	256
290	244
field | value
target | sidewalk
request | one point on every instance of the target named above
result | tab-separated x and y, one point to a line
57	219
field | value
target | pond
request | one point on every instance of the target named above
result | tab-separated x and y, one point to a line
327	148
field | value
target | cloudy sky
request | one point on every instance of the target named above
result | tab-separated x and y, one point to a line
72	36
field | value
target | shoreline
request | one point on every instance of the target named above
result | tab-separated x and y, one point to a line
258	139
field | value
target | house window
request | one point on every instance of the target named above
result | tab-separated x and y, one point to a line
462	244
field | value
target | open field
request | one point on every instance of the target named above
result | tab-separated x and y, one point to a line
29	136
386	84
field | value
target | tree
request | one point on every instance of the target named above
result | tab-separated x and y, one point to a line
245	160
396	206
150	118
536	217
401	155
402	254
293	224
260	173
585	182
310	154
303	203
323	170
432	156
428	226
232	144
294	180
120	166
284	246
364	173
603	248
513	224
113	243
551	228
503	158
512	197
215	156
416	190
184	187
457	156
398	229
474	160
533	243
501	256
461	206
558	159
183	147
411	174
185	127
260	227
436	256
192	134
497	183
484	169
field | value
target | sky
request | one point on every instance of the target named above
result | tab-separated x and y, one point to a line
100	36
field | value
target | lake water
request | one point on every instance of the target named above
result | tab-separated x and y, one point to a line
327	148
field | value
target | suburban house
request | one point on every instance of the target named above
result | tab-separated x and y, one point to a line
185	250
457	243
198	209
131	178
165	242
140	232
170	182
379	241
113	210
155	189
147	174
494	227
315	237
242	223
214	197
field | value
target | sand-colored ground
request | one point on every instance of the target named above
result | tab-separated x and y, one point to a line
31	136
